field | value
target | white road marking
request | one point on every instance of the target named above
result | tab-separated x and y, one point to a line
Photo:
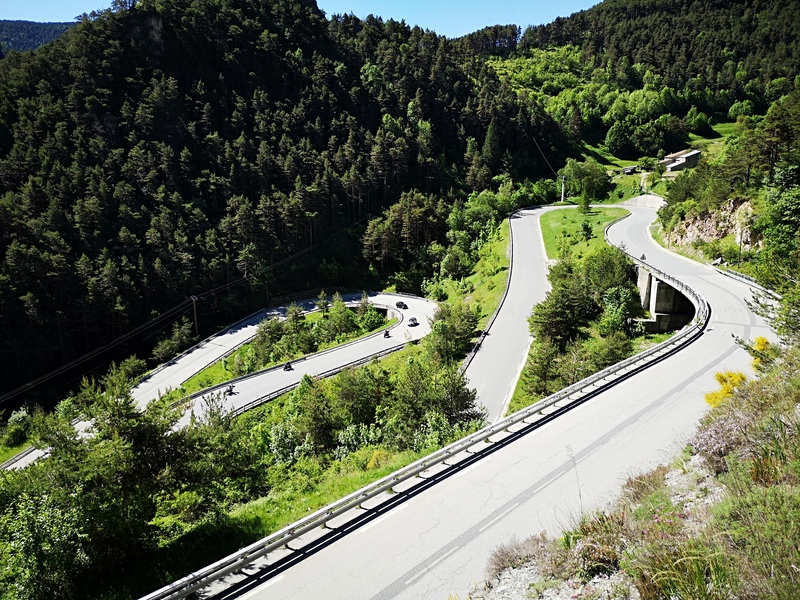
391	513
510	395
467	470
433	564
261	588
498	517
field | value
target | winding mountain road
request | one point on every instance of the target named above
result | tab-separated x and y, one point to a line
175	372
434	536
269	382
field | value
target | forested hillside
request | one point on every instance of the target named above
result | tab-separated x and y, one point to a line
173	147
640	76
173	154
28	35
720	45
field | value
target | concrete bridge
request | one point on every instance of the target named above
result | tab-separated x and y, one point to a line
669	309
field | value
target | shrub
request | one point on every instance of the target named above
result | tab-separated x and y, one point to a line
682	569
517	553
597	551
636	488
763	525
729	381
371	319
17	428
718	438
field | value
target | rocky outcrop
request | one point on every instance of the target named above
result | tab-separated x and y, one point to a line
732	218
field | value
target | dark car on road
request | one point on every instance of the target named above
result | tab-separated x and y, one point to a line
401	304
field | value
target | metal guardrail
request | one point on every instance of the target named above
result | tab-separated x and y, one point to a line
276	302
189	584
225	384
272	395
16	458
21	455
742	278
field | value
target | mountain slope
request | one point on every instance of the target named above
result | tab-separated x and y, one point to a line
28	35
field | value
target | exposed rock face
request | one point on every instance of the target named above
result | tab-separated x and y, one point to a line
731	218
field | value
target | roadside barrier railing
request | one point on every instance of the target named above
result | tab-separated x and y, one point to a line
276	302
220	386
193	582
751	281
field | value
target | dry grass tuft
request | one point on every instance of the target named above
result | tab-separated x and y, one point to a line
640	486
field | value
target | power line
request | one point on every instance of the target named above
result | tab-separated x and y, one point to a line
543	156
170	314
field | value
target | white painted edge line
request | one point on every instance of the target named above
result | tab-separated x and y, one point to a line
498	517
433	564
468	469
381	519
510	395
261	588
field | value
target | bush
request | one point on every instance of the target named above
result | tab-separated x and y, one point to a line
685	569
371	319
435	289
729	381
598	548
17	428
763	525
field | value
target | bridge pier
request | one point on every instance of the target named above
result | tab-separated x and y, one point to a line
669	308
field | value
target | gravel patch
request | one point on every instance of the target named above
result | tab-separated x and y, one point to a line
526	582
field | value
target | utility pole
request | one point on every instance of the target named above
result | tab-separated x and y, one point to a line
194	306
563	177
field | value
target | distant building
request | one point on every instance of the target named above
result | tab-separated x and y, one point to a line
685	159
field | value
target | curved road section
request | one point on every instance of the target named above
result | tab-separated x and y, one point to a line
437	543
249	390
494	370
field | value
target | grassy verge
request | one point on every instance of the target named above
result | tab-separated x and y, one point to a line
304	490
487	282
220	372
7	452
648	340
566	226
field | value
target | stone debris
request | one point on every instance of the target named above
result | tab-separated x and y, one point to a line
693	488
526	582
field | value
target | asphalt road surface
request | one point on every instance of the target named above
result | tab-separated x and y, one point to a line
185	366
497	364
268	382
433	537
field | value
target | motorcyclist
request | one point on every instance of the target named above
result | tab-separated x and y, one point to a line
287	366
386	333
